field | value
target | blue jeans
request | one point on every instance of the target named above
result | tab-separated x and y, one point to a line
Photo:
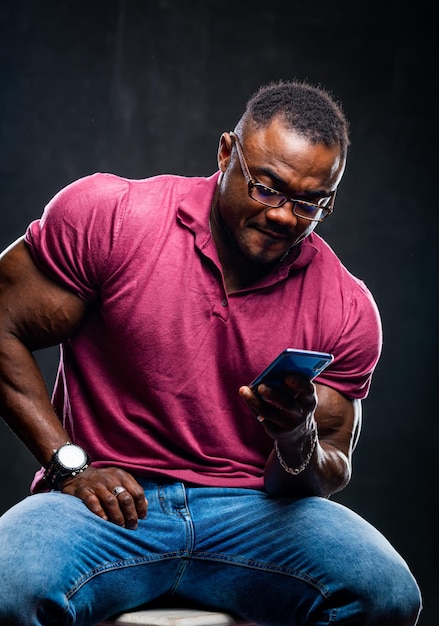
271	561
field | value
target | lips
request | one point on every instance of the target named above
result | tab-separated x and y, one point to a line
273	234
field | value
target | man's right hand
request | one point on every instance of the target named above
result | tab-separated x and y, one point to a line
98	489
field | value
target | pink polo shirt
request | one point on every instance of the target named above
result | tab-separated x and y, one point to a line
150	380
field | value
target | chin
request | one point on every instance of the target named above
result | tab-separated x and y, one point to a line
263	257
255	250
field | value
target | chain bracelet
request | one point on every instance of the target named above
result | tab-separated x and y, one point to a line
297	470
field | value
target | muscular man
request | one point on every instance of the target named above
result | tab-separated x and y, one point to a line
163	473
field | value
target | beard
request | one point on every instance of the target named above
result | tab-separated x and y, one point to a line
240	249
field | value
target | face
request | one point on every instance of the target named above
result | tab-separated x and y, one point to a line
285	161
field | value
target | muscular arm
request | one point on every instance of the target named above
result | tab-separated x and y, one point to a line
290	418
36	312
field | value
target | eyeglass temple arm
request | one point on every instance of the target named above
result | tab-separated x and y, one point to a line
241	158
330	206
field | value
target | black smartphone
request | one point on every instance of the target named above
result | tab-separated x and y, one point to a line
291	361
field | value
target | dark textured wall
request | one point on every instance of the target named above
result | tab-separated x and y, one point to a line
139	88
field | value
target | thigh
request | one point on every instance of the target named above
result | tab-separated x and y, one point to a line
294	561
60	563
272	561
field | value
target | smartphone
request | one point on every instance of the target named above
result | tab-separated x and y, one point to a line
290	361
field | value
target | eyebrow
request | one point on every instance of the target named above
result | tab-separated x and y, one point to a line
277	180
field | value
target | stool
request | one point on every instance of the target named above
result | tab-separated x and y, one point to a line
174	617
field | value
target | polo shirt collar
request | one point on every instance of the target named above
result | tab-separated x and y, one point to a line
194	213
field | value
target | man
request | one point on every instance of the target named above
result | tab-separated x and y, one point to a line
168	296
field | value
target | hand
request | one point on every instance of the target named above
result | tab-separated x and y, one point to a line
284	409
95	488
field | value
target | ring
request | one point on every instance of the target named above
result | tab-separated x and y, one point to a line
118	490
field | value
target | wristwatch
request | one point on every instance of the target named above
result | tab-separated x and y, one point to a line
68	461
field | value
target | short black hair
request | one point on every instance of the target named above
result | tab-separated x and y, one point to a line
310	110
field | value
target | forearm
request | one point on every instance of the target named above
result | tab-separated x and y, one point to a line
314	429
305	466
35	313
24	401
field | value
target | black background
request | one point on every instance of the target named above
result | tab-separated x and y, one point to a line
140	88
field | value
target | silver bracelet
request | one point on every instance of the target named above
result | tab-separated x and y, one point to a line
296	470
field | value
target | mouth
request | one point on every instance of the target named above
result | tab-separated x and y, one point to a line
272	235
270	245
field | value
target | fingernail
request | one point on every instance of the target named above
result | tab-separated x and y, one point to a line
132	525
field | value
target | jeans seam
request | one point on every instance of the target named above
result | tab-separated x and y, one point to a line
121	564
260	565
185	515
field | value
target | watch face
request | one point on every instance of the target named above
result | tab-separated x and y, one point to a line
72	457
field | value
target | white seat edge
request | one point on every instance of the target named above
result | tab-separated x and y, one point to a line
173	617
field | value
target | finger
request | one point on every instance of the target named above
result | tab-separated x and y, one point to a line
300	385
131	501
265	405
277	402
137	494
297	393
110	493
253	401
141	504
96	497
277	408
119	507
133	507
91	501
127	509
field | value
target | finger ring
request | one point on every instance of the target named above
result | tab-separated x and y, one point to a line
119	489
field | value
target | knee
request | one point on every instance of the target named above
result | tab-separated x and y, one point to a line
47	612
390	596
402	598
27	599
26	567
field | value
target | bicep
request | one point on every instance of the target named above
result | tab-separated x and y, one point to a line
338	420
34	308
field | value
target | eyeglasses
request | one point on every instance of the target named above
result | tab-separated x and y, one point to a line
274	199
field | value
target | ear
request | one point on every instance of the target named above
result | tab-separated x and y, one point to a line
224	151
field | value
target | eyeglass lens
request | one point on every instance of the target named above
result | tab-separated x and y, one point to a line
272	198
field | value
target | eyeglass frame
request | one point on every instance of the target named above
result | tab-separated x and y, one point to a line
252	182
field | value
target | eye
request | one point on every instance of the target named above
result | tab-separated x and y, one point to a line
308	211
267	191
306	208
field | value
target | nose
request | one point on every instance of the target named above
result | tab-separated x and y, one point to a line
282	215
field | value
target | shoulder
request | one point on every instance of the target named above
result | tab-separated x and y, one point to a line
101	187
91	226
108	200
334	274
80	200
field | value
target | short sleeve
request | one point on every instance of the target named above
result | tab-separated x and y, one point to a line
358	346
74	238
